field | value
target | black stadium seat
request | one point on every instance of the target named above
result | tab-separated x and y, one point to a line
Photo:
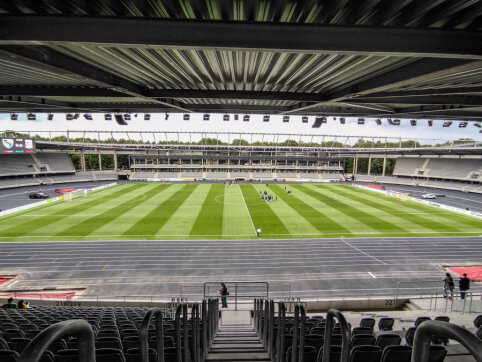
335	354
108	342
363	340
409	335
420	320
386	324
309	353
133	355
397	354
361	330
7	355
18	344
478	321
109	355
367	322
365	354
442	318
437	353
389	339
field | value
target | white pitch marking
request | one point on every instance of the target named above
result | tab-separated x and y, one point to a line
16	281
361	251
372	275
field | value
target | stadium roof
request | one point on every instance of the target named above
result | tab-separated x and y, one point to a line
367	58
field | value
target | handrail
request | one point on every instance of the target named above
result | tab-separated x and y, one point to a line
298	354
185	318
426	330
281	332
80	328
237	295
345	335
204	316
195	332
271	328
144	335
178	332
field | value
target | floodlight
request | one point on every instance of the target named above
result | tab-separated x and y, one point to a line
186	117
361	120
226	117
396	122
304	119
318	122
166	117
342	120
69	116
265	118
88	116
147	116
286	119
13	116
31	117
206	117
120	120
50	116
127	116
447	124
477	124
463	124
413	122
76	116
236	117
378	121
108	117
246	118
430	122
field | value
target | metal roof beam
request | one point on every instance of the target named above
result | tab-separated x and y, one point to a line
429	92
296	37
425	100
419	71
48	91
45	58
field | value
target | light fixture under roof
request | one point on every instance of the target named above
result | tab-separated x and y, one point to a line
413	122
186	117
430	122
13	116
31	117
76	115
127	116
166	117
304	119
120	119
50	117
266	118
147	116
447	124
318	121
378	121
69	116
206	117
108	117
246	118
477	124
361	120
226	117
286	119
342	120
394	122
463	124
88	116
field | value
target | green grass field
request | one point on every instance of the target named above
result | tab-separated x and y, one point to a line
190	211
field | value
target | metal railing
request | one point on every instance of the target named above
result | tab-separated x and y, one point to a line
298	346
449	302
345	335
240	292
144	336
427	330
79	328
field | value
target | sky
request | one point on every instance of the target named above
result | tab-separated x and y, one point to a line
295	128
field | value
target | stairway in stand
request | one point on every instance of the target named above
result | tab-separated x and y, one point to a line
236	341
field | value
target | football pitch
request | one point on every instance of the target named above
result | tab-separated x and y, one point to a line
148	211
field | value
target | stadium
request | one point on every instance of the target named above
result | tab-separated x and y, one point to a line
240	181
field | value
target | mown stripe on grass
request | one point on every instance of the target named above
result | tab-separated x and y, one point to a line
236	219
29	225
424	222
447	216
210	218
88	226
153	221
261	214
320	221
366	218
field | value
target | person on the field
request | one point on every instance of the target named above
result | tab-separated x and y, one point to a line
464	285
258	231
10	304
224	293
448	286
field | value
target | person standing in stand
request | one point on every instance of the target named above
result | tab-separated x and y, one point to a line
224	293
464	285
448	286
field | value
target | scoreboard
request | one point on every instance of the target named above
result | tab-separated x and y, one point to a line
17	145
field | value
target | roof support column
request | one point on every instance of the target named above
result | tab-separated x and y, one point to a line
82	161
115	161
100	161
369	164
384	164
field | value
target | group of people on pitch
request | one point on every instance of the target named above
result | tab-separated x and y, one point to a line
464	286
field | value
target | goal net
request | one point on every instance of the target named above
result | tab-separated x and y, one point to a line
69	196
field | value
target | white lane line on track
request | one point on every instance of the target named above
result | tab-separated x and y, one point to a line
361	251
373	276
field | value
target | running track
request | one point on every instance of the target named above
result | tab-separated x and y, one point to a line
318	267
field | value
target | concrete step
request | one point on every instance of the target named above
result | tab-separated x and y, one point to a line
237	357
